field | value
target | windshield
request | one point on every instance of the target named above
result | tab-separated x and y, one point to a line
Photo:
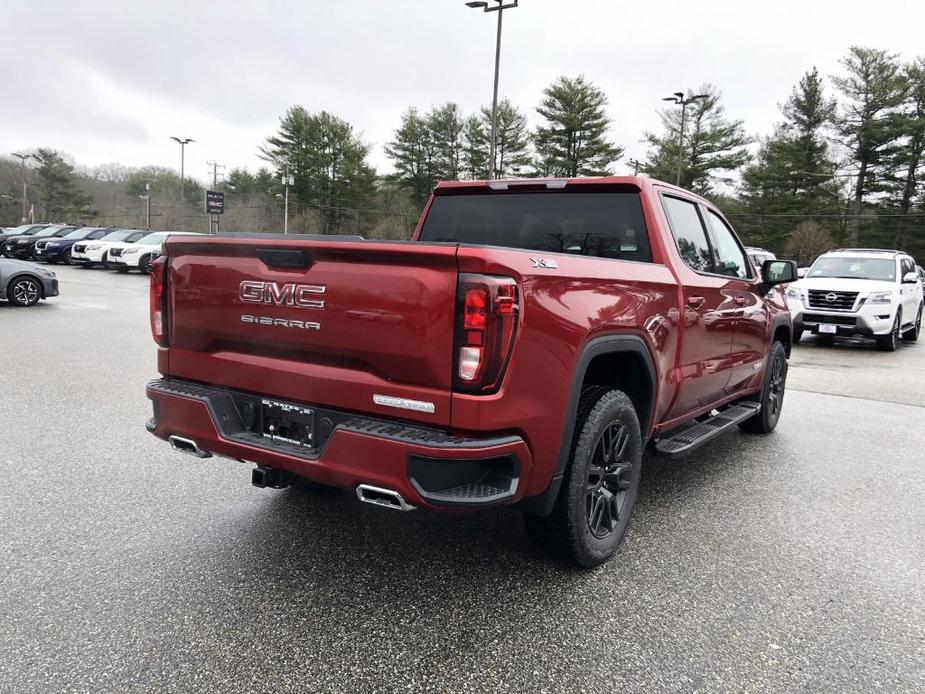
135	236
63	232
152	239
602	224
47	231
80	233
881	269
116	236
24	230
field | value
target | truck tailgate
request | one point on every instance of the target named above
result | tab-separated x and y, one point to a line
331	323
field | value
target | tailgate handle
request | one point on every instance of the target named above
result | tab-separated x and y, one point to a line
285	257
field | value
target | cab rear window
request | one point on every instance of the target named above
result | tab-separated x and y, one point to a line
599	224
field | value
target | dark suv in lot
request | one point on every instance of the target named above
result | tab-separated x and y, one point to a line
59	249
22	230
22	247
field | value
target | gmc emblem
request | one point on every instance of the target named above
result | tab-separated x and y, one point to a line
288	294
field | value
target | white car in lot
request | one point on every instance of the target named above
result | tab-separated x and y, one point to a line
90	253
138	256
859	292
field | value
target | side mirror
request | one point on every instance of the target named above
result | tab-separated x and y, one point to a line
776	272
911	278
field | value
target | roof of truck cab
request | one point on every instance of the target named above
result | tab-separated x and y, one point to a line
641	182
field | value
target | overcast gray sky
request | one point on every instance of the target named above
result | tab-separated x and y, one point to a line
110	81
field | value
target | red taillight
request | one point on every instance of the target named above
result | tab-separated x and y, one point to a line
158	300
485	328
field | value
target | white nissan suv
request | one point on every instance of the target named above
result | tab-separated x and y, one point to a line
138	256
859	292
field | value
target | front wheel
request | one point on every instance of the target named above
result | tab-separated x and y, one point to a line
144	265
797	334
66	257
772	393
24	291
592	513
912	334
889	343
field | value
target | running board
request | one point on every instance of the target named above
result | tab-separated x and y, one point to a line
694	436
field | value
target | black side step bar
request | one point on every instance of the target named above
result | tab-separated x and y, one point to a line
694	436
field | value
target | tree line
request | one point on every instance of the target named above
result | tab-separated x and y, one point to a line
842	166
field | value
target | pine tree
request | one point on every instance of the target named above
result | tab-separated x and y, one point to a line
905	180
873	88
328	162
60	195
476	148
713	145
573	141
413	154
512	151
446	125
793	173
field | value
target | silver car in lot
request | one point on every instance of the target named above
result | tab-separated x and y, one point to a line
24	284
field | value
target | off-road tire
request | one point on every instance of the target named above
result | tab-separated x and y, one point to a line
772	393
567	531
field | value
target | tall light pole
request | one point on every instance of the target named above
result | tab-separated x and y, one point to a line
22	160
682	101
183	143
500	7
147	198
287	180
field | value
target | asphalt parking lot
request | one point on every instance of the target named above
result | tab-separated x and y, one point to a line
794	562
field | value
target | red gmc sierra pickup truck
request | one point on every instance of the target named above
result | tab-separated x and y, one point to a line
522	349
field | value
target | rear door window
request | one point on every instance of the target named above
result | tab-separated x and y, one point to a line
599	224
689	234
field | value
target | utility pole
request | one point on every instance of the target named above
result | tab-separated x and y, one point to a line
636	164
287	180
183	143
499	8
682	101
22	160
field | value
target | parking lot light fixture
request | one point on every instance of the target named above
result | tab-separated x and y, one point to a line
679	99
499	7
183	143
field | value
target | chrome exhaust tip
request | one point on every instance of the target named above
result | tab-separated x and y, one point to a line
383	497
188	446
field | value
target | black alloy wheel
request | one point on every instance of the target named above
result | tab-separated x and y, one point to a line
772	393
594	506
608	480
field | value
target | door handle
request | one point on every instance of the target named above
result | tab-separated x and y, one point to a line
696	301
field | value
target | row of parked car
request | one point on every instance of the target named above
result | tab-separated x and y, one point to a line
115	249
